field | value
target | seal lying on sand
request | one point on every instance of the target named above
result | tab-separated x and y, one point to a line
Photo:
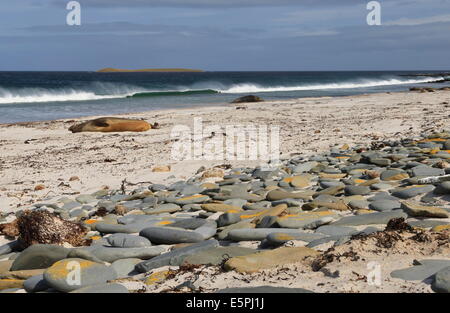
112	124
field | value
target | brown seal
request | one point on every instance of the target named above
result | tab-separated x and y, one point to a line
111	124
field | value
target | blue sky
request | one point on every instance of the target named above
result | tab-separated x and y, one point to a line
225	35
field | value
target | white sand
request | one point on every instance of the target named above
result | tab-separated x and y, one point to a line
307	125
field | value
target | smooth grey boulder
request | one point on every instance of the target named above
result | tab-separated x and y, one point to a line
412	191
370	219
125	267
111	254
128	241
256	234
39	256
280	237
175	257
441	281
89	273
331	230
35	284
424	270
170	235
385	205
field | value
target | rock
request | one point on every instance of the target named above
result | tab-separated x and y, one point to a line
111	254
9	247
192	199
125	267
175	257
336	231
256	234
370	219
393	175
220	207
417	210
223	235
280	237
263	289
42	227
443	188
111	124
216	256
10	283
71	274
278	194
22	274
384	205
128	241
306	219
412	191
425	171
103	288
268	259
39	256
424	270
247	99
170	235
35	284
84	199
357	190
39	187
441	282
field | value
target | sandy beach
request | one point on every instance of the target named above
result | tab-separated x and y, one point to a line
42	162
47	153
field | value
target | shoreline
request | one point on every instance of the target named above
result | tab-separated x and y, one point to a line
308	125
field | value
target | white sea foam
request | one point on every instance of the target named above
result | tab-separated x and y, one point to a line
254	88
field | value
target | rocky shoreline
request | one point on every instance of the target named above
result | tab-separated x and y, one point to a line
318	223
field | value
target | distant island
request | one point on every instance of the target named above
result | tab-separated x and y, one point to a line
115	70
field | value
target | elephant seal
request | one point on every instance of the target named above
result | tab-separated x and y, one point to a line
111	124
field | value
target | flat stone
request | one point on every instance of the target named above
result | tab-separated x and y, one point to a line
22	274
216	256
9	247
357	190
393	175
279	194
164	208
256	234
103	288
35	284
281	237
418	210
111	254
192	199
370	219
425	270
412	191
189	223
170	235
10	284
39	256
5	266
263	289
268	259
441	282
384	205
223	235
220	207
175	257
335	231
59	275
128	241
305	219
84	199
425	171
125	267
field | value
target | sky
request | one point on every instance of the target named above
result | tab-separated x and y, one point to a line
225	35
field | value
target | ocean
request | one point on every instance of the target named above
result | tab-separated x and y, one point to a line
37	96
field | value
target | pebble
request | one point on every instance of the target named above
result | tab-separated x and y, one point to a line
418	210
128	241
170	235
370	219
216	256
411	191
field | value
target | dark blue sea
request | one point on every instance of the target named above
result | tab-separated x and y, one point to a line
35	96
